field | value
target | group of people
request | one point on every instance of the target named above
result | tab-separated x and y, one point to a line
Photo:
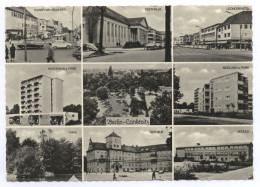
12	53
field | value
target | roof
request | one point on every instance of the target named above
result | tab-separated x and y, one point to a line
97	145
20	10
213	145
244	17
227	75
113	134
136	21
210	26
116	16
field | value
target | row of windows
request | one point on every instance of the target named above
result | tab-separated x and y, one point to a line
227	27
219	147
19	15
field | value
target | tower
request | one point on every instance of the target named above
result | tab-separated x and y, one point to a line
113	141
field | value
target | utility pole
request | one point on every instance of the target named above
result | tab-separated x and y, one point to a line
24	33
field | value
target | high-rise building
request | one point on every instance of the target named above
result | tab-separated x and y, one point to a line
113	156
227	93
42	94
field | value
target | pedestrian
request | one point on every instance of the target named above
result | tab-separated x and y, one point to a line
114	176
12	52
153	176
50	53
6	53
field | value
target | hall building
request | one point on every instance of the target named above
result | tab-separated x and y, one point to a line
41	94
115	156
117	29
218	152
227	93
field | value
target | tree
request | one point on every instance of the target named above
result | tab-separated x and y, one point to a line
169	141
15	109
102	93
161	110
7	110
177	94
77	156
29	143
233	106
150	83
132	90
134	105
228	105
91	15
110	72
28	162
102	12
12	141
90	110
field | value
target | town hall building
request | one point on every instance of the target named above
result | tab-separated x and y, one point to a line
113	156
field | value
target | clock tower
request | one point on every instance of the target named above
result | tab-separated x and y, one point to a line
113	141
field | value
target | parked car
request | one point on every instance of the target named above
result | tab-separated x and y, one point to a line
161	172
88	49
151	46
159	45
61	44
77	53
31	43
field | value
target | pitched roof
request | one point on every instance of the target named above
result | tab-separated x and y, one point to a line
136	21
97	145
21	10
244	17
158	147
113	134
116	16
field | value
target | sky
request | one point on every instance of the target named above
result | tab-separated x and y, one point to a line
71	134
17	73
190	136
154	18
186	17
140	136
128	66
195	75
64	15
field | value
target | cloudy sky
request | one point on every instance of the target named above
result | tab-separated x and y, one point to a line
193	76
140	136
128	66
155	19
16	73
64	15
186	17
71	134
189	136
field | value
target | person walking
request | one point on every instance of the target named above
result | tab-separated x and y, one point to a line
6	53
50	53
12	52
153	176
114	176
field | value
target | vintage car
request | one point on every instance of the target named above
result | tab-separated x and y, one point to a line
30	43
61	44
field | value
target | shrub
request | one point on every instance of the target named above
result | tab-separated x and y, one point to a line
132	44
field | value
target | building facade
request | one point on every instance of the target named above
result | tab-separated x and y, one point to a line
208	35
14	23
113	156
41	94
151	35
220	152
227	93
117	29
236	31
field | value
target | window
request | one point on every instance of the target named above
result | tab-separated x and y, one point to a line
228	34
228	26
245	26
225	35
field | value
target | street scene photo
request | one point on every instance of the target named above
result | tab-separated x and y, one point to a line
127	95
212	33
128	154
43	95
42	34
213	153
213	94
43	154
127	34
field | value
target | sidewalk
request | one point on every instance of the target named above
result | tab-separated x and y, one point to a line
124	49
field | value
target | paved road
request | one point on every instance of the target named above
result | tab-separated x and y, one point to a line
131	56
202	55
138	176
239	174
185	119
39	55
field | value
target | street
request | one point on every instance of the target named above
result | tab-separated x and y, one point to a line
239	174
185	119
213	55
40	55
129	55
136	176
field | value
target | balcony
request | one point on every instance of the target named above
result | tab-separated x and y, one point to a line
22	86
240	101
240	92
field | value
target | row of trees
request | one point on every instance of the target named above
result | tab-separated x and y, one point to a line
33	158
14	110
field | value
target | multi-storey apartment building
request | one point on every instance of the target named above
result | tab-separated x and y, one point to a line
113	156
208	35
227	93
219	152
151	35
14	24
236	30
42	94
117	29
